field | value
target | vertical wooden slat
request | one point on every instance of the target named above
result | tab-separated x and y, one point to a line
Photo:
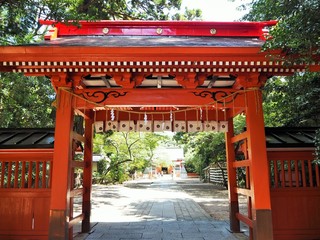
30	174
303	169
50	174
44	174
16	174
23	174
271	163
9	174
289	173
310	173
2	173
283	184
317	174
276	177
36	185
296	170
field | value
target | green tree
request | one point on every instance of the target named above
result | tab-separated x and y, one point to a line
292	101
202	149
298	30
25	101
129	152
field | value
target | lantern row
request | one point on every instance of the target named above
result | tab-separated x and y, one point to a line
161	126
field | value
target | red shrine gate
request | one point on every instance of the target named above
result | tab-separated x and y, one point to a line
173	75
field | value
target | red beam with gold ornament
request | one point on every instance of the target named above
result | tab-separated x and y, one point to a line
155	28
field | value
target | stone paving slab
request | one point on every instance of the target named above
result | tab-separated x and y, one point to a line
157	210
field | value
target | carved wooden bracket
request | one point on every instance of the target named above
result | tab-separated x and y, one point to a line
138	79
190	80
61	80
251	80
124	80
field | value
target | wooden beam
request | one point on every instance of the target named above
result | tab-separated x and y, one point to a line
226	98
245	219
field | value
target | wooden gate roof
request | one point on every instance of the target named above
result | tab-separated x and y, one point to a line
26	138
151	64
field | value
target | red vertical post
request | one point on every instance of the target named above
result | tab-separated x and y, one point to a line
259	170
232	181
60	187
87	171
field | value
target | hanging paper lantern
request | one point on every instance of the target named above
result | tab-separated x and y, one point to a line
195	126
126	126
143	126
210	126
98	126
112	125
180	126
223	126
160	126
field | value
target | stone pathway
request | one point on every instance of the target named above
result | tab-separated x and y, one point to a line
157	210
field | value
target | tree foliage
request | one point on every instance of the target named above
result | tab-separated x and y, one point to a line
19	19
292	101
202	148
128	152
298	30
25	101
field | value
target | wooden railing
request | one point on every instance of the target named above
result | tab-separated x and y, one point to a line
293	169
25	173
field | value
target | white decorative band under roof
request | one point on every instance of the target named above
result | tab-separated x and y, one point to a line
187	63
160	70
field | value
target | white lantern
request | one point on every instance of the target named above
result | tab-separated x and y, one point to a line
180	126
98	126
112	125
143	126
223	126
126	126
210	126
195	126
160	126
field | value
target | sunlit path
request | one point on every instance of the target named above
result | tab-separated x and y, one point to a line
152	209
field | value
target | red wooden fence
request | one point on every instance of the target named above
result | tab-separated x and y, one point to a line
25	178
295	195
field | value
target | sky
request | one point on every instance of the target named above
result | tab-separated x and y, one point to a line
217	10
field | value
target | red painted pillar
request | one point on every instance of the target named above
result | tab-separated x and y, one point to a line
232	181
60	187
87	170
259	170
